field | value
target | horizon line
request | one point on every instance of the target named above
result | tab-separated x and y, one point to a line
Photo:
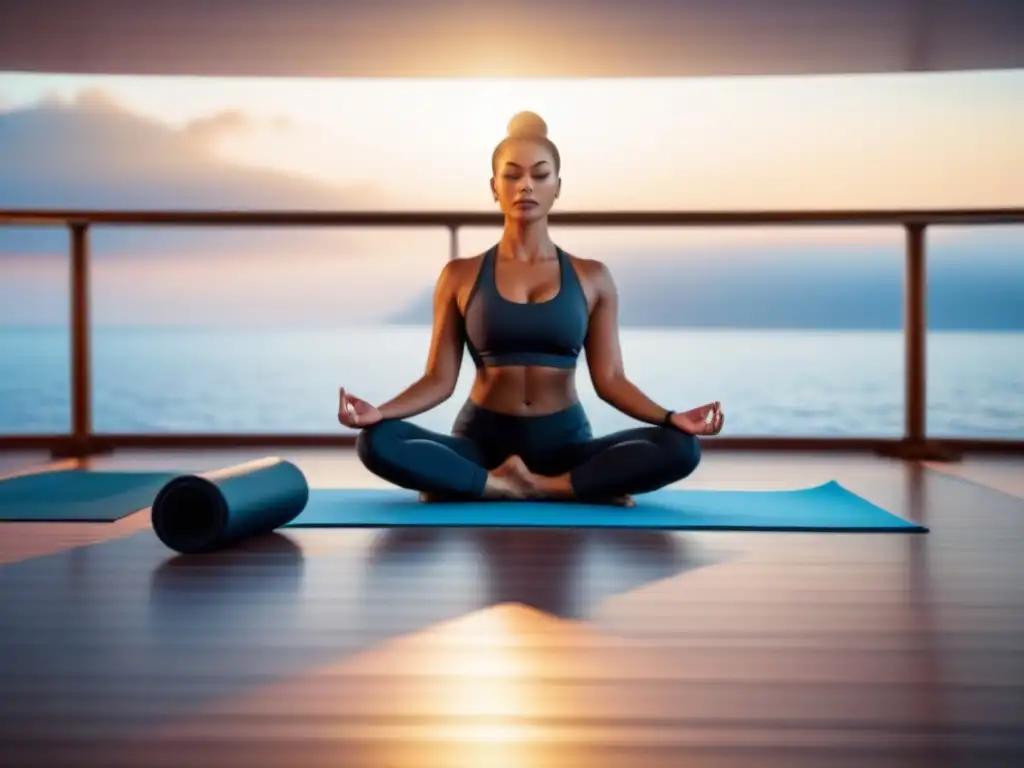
375	324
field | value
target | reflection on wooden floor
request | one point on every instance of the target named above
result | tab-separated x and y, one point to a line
526	648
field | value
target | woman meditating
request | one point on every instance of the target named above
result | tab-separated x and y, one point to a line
525	309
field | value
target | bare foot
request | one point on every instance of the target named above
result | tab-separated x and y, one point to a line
510	480
512	466
534	486
515	469
526	484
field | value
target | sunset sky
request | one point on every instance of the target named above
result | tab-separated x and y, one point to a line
744	143
859	141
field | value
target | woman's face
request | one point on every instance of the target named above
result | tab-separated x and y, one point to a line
526	183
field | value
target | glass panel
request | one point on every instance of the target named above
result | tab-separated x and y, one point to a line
976	332
254	331
798	331
35	348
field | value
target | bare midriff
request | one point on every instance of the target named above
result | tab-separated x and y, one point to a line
524	390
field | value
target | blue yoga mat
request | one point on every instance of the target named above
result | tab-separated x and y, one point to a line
827	507
79	496
194	513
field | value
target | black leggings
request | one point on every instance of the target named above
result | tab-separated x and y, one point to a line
632	461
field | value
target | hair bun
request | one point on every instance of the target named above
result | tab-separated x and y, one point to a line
527	124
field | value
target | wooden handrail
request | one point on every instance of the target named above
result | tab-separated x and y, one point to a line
299	218
914	443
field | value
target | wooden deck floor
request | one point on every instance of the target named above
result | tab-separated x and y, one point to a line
499	649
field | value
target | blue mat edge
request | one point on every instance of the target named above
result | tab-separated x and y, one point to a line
158	477
905	526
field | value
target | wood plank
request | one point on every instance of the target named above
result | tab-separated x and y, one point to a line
467	647
997	473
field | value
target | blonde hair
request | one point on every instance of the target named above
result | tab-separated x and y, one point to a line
527	126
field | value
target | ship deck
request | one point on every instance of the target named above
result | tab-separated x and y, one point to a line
424	647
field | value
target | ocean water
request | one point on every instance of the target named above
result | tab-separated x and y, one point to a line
770	382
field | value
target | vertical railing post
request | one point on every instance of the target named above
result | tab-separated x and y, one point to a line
915	330
453	242
81	368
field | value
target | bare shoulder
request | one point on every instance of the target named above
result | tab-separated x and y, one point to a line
594	272
457	279
457	272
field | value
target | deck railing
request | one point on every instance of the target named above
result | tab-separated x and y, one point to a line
83	440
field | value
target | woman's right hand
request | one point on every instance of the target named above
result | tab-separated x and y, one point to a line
355	413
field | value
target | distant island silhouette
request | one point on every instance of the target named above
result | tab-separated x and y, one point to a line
796	288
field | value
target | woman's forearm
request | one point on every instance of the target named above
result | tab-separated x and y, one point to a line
620	393
421	396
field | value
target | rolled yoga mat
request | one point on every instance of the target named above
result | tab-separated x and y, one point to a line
210	511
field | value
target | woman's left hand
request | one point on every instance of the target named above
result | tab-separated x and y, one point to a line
703	420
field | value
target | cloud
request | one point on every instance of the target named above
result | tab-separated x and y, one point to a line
93	153
208	131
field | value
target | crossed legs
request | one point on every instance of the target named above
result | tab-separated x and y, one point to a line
608	468
618	465
419	459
